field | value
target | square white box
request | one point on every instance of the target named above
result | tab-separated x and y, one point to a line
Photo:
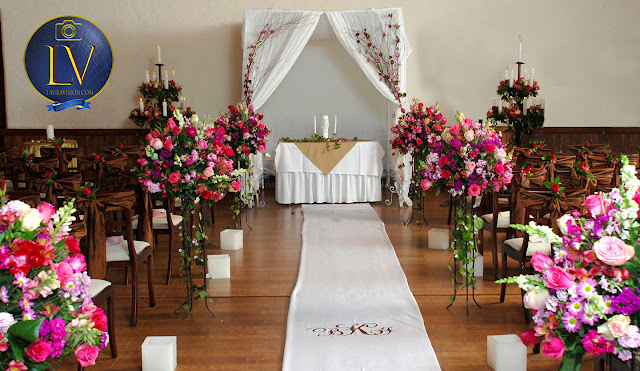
231	239
160	353
219	266
478	265
438	238
506	353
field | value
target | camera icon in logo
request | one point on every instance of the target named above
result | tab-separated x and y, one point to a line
68	31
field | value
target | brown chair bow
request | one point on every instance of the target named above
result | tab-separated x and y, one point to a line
101	168
59	185
64	155
6	155
541	199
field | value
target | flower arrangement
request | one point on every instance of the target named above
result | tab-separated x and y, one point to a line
415	126
189	159
585	296
152	117
155	90
46	312
555	188
332	143
50	176
245	133
88	190
582	169
57	143
520	110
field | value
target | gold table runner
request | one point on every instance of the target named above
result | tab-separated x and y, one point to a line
321	156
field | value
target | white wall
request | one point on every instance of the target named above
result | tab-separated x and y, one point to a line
585	53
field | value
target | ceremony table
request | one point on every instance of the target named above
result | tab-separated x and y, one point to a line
355	178
34	147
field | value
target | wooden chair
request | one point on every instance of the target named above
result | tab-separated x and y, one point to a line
497	222
129	253
31	198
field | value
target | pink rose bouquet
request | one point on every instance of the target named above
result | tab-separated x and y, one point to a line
415	126
46	311
245	132
592	280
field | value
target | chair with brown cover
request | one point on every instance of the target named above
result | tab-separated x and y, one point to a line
54	185
63	155
31	198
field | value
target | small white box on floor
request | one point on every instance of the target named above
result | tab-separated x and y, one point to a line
231	239
478	265
160	353
506	353
438	238
219	266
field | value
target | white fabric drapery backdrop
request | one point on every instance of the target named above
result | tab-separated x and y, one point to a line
278	54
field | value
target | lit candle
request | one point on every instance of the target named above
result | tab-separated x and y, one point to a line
159	55
314	124
166	79
500	106
524	107
519	53
542	104
493	102
335	125
532	80
173	75
146	79
141	105
153	76
506	75
526	74
184	99
164	108
511	79
182	102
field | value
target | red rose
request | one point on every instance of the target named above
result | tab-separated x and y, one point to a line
96	156
174	177
47	174
529	337
58	146
581	166
86	355
39	351
86	191
442	161
555	188
445	174
99	320
72	245
491	148
588	143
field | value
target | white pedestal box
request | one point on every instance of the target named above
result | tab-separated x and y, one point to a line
231	239
439	238
219	266
160	353
506	353
478	265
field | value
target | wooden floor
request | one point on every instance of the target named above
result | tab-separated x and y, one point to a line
248	329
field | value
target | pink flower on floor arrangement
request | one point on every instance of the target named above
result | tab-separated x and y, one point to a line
46	311
592	278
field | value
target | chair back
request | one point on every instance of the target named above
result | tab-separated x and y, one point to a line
538	214
31	198
540	198
54	187
63	155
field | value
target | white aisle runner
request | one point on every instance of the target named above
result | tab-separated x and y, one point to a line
352	308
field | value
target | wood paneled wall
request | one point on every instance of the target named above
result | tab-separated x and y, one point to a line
91	140
621	139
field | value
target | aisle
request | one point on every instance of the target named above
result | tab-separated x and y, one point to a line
352	308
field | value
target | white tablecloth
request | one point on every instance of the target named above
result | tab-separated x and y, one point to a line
356	178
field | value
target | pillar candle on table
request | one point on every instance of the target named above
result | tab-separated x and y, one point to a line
500	106
141	105
153	76
166	79
146	79
50	134
314	124
159	55
520	53
164	108
335	124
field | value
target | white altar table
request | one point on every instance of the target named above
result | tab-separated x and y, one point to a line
356	178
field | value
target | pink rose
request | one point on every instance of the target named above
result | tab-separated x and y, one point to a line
558	279
540	262
208	172
228	151
142	161
99	320
536	299
202	144
38	351
168	145
455	129
77	262
499	169
529	337
553	348
470	166
594	204
156	143
613	251
64	271
235	185
474	190
174	177
46	211
261	148
86	355
491	148
425	184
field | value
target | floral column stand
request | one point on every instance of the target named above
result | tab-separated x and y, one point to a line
464	247
417	194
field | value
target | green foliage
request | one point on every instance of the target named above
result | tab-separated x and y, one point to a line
464	247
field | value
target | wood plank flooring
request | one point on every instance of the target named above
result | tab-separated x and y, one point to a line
248	329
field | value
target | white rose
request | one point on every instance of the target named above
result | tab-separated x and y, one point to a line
500	154
536	299
32	220
469	135
562	223
194	119
6	321
156	143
